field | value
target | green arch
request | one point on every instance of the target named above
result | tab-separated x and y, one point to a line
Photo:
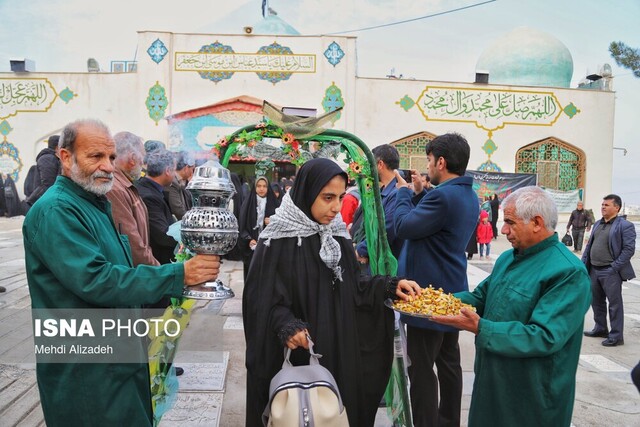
361	169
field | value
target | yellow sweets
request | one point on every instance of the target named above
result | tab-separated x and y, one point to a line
432	302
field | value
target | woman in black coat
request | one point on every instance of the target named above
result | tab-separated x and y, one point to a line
305	279
254	217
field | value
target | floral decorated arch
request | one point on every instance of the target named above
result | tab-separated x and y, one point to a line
266	142
299	142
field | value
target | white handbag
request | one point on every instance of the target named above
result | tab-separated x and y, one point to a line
304	396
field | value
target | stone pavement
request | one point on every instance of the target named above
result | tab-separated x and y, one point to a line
212	390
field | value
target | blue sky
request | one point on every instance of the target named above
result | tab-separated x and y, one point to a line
61	34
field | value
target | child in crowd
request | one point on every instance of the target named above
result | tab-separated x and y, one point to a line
484	234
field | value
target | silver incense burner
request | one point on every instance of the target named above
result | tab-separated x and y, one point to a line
209	227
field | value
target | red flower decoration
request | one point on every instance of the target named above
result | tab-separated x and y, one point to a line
355	167
288	138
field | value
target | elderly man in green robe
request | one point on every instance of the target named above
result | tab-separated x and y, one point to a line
76	259
528	325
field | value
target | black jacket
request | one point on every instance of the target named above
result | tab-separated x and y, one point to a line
160	219
579	219
48	166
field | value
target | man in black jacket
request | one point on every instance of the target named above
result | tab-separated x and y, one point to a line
161	166
48	166
578	222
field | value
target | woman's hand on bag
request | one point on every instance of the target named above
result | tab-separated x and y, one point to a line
408	289
298	340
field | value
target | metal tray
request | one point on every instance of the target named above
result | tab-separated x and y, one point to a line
389	303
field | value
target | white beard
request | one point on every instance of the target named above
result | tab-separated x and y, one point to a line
88	182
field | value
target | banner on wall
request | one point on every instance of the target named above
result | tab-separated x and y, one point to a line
500	183
566	201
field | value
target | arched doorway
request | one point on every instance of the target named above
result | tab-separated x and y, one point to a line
558	164
411	150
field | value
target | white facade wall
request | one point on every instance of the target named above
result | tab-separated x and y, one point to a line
371	106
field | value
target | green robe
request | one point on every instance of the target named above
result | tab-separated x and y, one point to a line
75	258
532	309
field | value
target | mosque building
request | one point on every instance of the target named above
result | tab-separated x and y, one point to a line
190	90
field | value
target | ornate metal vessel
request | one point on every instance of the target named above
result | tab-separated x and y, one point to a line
209	227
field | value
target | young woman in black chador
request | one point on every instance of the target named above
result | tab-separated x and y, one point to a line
254	217
305	279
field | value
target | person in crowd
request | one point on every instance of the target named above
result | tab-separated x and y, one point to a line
76	259
350	203
150	146
277	191
387	161
635	376
486	206
235	206
161	166
129	212
426	182
287	185
472	245
254	217
48	167
484	234
436	227
608	259
3	203
176	195
528	321
12	202
579	221
305	279
495	207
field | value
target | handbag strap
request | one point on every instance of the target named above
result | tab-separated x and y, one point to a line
313	360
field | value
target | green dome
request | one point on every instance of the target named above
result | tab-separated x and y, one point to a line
527	57
272	25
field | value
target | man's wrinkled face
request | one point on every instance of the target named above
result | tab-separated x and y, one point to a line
520	234
91	165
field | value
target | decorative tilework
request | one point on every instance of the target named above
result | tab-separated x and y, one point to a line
275	76
66	95
156	102
216	76
157	51
489	166
5	128
571	110
489	147
333	99
334	54
406	103
13	165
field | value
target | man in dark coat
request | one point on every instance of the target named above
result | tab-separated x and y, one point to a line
578	222
608	259
161	166
436	227
48	165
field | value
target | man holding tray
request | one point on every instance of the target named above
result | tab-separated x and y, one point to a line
528	326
